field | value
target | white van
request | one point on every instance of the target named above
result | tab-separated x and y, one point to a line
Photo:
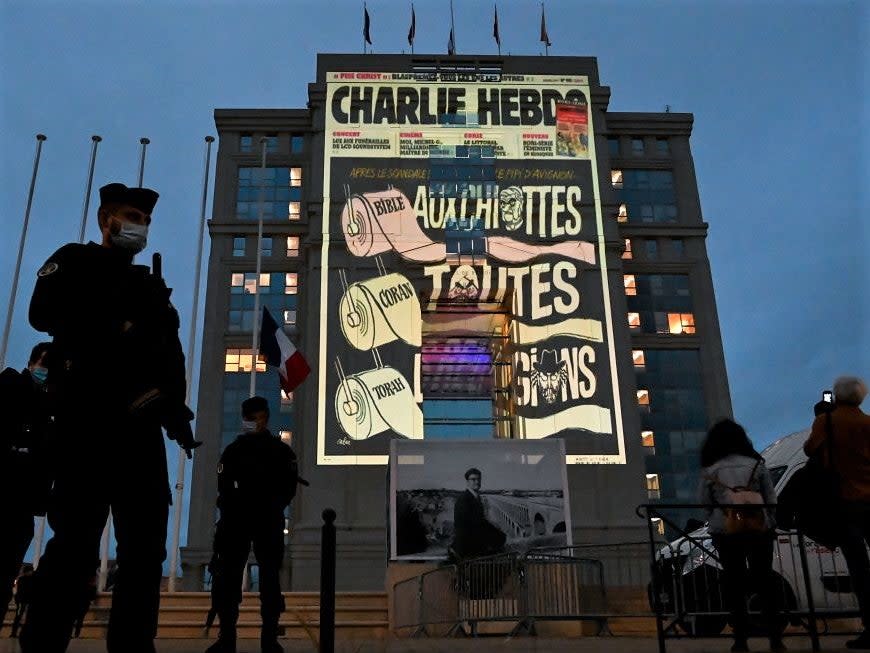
690	579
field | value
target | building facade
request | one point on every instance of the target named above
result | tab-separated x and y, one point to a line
461	247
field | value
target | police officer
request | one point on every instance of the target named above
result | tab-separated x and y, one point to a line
24	471
119	375
257	477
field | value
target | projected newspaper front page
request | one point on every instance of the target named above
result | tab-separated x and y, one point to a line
481	192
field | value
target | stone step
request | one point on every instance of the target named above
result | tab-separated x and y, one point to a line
295	613
375	629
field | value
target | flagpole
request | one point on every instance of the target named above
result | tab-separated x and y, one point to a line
365	13
414	24
452	27
547	41
191	349
255	345
40	139
94	141
498	32
144	143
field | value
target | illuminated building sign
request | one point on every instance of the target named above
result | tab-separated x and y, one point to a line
469	211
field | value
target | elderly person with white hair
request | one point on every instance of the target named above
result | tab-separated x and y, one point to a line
850	436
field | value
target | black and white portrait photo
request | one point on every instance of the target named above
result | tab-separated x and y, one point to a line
462	500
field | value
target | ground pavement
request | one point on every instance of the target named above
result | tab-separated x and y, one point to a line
480	645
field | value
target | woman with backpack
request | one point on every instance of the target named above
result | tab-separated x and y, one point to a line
734	473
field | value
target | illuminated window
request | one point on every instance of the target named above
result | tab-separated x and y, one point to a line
639	358
286	437
652	249
291	283
653	491
294	210
239	246
622	215
637	146
627	253
643	397
616	178
679	323
245	283
292	246
647	439
662	147
289	317
630	284
246	143
266	246
295	177
241	360
634	321
658	525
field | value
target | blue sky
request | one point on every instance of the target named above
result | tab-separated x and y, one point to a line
779	90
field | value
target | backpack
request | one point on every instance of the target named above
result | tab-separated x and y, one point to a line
738	519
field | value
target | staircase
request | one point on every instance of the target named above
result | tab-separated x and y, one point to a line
358	615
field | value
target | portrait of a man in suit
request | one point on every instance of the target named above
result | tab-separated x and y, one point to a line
475	535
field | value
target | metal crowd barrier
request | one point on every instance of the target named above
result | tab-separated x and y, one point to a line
676	582
810	582
544	584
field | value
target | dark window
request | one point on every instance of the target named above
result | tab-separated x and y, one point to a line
637	146
246	143
271	142
677	247
273	295
297	143
266	248
662	147
648	195
613	146
652	249
239	246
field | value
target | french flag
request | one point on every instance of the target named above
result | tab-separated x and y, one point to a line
281	353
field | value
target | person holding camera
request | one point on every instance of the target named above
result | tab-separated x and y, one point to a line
847	454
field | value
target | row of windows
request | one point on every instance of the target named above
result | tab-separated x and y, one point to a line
646	213
236	390
291	249
649	248
661	323
665	285
280	189
639	147
286	283
246	143
637	179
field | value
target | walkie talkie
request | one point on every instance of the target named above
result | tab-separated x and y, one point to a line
157	265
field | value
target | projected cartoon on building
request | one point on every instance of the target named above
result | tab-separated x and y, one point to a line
462	257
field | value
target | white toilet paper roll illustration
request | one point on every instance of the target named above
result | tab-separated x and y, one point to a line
376	401
374	223
380	310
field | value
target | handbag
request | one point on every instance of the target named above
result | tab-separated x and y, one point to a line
740	519
817	496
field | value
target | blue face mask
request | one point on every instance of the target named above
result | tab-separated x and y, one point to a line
132	237
39	374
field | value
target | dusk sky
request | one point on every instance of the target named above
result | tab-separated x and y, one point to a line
778	89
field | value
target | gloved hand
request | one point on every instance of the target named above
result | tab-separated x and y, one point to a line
177	426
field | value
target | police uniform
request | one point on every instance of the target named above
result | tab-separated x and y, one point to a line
25	419
119	373
257	477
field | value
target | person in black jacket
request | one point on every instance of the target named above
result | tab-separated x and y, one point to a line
118	372
25	478
475	535
257	477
